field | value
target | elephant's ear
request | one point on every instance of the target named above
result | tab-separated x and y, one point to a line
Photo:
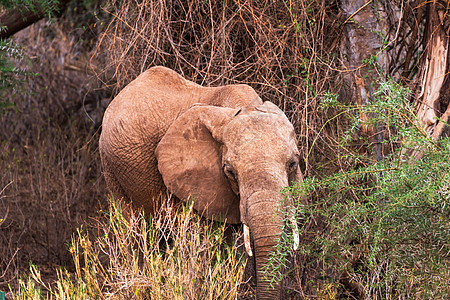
190	162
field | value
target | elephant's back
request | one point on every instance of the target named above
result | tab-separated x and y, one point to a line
147	106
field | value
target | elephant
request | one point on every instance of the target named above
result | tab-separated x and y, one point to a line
222	146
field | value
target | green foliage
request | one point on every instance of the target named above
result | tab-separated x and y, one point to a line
12	59
387	223
10	75
176	256
8	72
48	7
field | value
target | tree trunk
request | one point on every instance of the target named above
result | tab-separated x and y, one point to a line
362	51
432	84
16	20
364	56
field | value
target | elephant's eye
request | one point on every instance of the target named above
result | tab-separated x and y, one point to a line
293	165
229	172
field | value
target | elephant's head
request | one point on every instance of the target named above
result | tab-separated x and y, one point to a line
234	163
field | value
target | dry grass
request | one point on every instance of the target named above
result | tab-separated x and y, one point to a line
177	256
50	168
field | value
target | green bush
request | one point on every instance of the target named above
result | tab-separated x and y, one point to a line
386	223
48	7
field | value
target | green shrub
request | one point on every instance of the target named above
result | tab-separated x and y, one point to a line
387	222
48	7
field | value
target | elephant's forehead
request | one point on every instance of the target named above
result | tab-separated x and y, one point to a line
259	128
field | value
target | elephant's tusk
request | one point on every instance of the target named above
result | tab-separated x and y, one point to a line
247	244
295	232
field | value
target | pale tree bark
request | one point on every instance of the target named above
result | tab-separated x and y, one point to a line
433	81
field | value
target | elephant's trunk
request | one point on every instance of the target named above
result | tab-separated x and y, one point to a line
265	221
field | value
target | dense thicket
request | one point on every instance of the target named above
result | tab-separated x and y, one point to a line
364	83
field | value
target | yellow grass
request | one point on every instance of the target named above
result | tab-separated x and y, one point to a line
176	256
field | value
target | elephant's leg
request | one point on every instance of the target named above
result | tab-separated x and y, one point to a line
118	193
143	184
112	183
